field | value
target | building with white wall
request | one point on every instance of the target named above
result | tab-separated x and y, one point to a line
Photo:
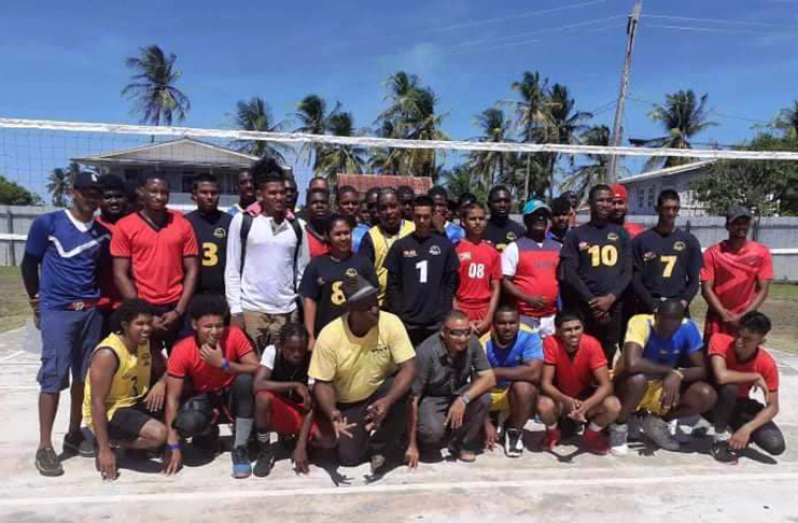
645	187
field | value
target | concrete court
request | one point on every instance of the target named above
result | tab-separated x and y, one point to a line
644	486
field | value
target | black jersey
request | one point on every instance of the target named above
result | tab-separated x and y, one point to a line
666	266
500	236
211	231
422	279
597	260
323	283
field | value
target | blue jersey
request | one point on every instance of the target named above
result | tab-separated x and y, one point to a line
664	351
528	346
357	235
71	253
454	232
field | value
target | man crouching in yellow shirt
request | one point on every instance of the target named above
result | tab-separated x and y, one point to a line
358	387
119	405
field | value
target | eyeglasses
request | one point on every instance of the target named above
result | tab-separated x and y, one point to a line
460	333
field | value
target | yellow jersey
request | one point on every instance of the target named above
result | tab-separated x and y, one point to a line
130	383
382	244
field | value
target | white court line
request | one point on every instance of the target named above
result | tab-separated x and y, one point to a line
12	356
532	484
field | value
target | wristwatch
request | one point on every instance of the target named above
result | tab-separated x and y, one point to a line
465	398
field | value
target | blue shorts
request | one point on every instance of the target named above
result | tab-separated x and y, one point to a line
68	341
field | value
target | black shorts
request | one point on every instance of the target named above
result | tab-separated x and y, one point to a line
126	424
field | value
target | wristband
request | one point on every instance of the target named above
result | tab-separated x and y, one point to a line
173	446
466	399
225	364
678	373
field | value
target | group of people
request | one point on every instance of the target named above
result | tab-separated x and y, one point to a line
399	324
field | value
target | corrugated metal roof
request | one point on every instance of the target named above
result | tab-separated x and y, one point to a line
364	182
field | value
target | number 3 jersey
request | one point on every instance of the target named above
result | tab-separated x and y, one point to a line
422	279
601	256
323	283
211	231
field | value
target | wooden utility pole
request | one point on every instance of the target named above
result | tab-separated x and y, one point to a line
617	129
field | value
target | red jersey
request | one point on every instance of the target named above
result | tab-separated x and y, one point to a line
734	276
480	265
762	363
156	256
316	246
185	361
573	375
633	229
110	297
532	267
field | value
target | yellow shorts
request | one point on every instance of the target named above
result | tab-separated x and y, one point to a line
499	400
652	399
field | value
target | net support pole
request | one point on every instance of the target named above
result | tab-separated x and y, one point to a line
617	128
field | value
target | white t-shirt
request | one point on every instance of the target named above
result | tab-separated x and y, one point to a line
269	357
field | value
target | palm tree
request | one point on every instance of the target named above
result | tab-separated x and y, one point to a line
496	128
385	161
595	172
426	125
313	118
533	115
60	183
157	99
462	179
682	117
788	120
255	115
339	159
566	123
411	115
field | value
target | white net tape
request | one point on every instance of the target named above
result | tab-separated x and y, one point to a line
374	142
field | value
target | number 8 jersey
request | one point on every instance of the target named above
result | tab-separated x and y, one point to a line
323	283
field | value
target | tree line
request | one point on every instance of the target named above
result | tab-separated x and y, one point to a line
538	112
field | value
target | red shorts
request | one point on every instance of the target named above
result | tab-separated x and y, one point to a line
476	314
286	418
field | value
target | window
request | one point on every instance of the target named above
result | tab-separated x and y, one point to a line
131	174
187	184
641	197
651	196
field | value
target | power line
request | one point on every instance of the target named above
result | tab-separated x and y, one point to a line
540	31
487	21
711	111
719	30
717	21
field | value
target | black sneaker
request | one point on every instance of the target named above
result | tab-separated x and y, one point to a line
48	464
77	443
242	468
265	461
208	444
722	453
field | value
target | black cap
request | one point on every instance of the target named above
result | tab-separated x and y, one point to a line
356	287
87	180
735	212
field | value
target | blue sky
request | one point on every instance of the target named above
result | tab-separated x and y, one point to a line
65	60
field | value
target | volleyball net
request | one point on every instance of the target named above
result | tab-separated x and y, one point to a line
40	155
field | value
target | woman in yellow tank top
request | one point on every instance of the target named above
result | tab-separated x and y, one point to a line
119	402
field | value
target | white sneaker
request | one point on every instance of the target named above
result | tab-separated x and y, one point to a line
514	443
618	437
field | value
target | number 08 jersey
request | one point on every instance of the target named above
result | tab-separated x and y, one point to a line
323	283
603	254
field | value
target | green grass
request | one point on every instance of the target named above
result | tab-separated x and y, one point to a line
14	308
781	306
